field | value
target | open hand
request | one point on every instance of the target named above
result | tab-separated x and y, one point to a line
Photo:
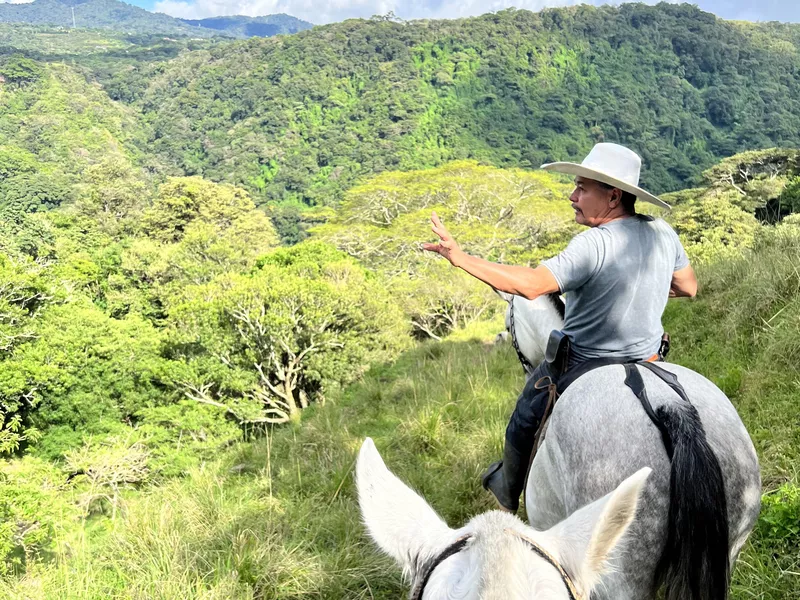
447	246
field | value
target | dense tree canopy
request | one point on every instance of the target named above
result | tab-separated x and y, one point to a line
508	216
267	345
301	118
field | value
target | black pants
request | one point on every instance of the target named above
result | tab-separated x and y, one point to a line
532	403
528	412
524	423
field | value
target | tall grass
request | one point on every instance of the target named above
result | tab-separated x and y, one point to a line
276	517
744	333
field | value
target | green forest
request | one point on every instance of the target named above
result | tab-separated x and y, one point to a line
211	285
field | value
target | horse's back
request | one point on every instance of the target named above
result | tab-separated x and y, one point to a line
599	434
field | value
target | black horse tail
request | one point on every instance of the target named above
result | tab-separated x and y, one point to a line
695	564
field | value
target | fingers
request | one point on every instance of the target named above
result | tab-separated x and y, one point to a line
446	244
438	228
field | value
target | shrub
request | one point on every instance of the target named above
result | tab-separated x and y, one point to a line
263	346
778	527
32	506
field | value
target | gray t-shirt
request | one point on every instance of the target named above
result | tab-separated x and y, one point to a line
616	280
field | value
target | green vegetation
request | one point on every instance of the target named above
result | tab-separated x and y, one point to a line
96	14
211	287
302	118
149	363
509	216
276	517
272	342
42	40
55	124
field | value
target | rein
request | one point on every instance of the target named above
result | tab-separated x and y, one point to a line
464	540
571	589
427	570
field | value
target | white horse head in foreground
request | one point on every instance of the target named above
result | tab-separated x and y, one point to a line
495	555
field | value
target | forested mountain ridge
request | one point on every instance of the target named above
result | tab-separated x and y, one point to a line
242	27
99	14
120	16
59	135
302	117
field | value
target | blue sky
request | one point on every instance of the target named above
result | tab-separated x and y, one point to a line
326	11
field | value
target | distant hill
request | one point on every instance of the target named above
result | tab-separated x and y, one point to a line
301	118
244	27
119	16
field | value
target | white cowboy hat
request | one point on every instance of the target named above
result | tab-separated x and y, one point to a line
612	164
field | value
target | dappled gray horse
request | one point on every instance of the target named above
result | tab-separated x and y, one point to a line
693	516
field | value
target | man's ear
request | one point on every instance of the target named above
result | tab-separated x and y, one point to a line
586	538
616	198
398	519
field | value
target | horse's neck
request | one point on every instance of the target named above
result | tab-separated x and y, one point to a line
533	320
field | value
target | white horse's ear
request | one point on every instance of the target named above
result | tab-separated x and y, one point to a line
397	518
587	537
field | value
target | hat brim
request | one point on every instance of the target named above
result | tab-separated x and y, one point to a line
581	171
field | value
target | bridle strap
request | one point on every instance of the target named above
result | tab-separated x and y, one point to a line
571	589
526	364
452	549
461	543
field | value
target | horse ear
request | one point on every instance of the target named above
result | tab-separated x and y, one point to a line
398	519
587	537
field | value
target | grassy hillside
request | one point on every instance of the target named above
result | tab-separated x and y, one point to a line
152	332
303	117
276	517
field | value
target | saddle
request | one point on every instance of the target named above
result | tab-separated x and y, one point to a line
557	357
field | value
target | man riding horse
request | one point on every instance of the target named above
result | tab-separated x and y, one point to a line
616	277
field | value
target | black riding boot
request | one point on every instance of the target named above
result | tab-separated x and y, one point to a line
506	478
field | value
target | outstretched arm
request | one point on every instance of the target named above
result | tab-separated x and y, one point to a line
522	281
